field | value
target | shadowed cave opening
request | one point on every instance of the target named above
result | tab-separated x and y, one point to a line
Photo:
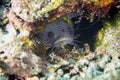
88	32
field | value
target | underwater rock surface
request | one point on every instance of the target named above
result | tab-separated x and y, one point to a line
32	10
24	56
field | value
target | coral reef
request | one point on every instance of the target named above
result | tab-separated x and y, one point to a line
43	9
109	37
30	11
17	55
37	40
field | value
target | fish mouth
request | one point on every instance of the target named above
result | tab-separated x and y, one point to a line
63	41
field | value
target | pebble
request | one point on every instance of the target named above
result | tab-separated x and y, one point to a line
33	78
72	61
75	77
52	77
52	69
104	61
109	67
83	63
59	78
46	15
43	78
63	62
60	72
116	63
64	78
76	68
73	71
89	69
82	74
66	75
90	72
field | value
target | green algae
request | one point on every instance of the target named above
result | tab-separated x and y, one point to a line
109	26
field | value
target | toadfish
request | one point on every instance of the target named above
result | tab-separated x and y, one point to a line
57	33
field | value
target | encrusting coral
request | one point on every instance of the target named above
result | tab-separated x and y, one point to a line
23	56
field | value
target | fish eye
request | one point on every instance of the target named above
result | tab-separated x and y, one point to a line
51	34
63	30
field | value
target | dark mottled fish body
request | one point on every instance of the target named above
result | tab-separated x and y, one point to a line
57	33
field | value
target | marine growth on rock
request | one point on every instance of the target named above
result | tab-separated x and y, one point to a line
51	39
